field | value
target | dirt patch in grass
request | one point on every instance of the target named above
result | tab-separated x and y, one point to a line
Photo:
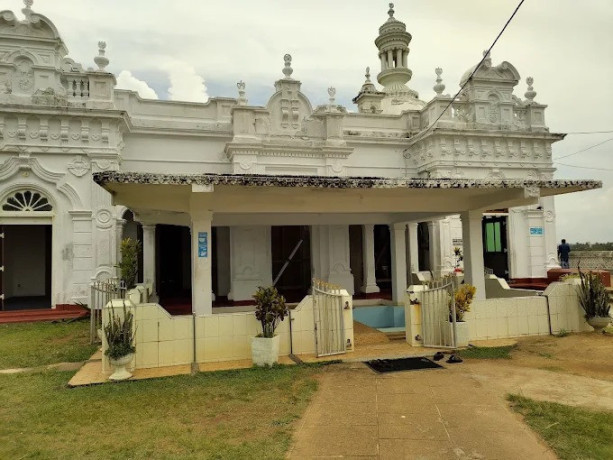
235	414
38	344
571	432
587	354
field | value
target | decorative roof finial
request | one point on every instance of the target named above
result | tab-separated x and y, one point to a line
367	75
27	11
391	11
530	94
287	70
332	93
488	58
101	60
439	87
242	100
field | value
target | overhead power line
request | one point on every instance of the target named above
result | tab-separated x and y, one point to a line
585	149
582	167
485	55
591	132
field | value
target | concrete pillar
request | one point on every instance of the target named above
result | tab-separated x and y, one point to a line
549	230
434	235
390	59
473	251
413	248
399	262
330	256
250	259
202	293
405	56
382	58
368	257
398	57
149	255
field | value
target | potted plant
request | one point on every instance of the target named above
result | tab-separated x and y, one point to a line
270	311
119	334
594	299
128	268
462	298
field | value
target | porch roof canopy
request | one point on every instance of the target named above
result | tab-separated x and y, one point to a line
235	195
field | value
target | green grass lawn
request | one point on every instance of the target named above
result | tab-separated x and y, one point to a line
231	414
487	352
37	344
571	432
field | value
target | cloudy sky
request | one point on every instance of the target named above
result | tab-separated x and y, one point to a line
195	49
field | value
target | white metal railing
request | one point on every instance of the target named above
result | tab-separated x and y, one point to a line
438	319
328	316
101	293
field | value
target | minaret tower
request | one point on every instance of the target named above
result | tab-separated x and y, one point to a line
393	44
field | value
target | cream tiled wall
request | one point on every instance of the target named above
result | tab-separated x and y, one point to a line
165	340
512	317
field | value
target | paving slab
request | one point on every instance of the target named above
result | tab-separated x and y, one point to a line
422	414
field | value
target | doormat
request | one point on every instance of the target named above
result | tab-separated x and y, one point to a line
402	364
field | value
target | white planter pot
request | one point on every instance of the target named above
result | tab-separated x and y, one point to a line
462	331
265	351
599	322
134	296
119	365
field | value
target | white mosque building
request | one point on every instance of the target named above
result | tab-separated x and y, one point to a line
222	193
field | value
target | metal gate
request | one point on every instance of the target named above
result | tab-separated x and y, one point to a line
329	321
437	330
101	293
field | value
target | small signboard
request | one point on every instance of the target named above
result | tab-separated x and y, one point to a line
536	231
203	244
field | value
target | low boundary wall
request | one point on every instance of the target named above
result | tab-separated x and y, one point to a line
165	340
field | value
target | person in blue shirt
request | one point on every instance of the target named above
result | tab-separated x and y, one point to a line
563	251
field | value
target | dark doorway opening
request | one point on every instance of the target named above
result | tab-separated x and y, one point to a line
295	281
423	246
356	256
26	258
383	257
173	265
495	253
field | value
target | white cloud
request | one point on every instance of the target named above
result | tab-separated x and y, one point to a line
185	83
125	80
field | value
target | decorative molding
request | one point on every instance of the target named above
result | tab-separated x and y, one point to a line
78	166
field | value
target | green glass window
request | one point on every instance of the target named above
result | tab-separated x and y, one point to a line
493	242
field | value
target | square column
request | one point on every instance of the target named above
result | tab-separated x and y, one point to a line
413	249
202	292
399	262
250	260
149	255
473	251
368	257
434	236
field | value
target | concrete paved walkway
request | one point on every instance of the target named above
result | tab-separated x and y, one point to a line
427	414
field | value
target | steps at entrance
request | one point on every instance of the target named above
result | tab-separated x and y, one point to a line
62	312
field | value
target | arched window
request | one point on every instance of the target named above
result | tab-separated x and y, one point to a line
26	200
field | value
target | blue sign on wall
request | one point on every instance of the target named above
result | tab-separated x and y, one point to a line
203	244
536	231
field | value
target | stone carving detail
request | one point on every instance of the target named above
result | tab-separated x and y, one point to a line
78	166
26	200
532	191
530	94
23	76
48	97
104	218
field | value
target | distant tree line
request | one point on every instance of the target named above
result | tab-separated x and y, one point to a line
592	246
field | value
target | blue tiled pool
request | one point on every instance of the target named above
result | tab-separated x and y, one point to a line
386	318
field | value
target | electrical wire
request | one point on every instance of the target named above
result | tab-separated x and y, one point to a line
591	132
585	149
582	167
485	55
